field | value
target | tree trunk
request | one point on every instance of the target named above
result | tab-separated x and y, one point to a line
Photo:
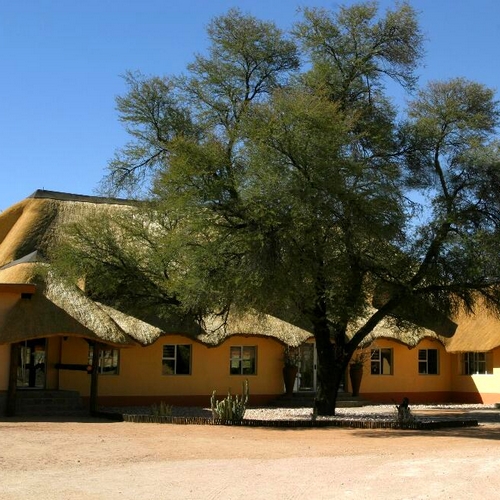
332	363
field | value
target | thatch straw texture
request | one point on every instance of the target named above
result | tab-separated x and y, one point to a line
142	332
30	228
35	223
55	309
216	330
478	332
389	329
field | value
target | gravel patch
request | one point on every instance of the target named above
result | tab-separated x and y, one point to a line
481	412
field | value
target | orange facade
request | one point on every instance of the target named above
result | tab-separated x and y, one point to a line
407	376
141	378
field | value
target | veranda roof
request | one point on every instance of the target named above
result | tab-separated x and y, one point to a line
55	309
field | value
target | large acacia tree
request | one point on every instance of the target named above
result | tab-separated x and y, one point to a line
276	176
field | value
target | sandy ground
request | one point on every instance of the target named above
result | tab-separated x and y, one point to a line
97	459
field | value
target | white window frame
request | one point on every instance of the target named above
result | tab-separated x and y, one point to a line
243	360
476	363
109	360
424	362
377	365
175	359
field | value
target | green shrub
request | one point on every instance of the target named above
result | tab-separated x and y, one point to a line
161	410
231	407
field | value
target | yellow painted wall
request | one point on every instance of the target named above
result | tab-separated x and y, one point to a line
141	369
405	377
488	385
4	366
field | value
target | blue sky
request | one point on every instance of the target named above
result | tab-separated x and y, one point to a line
61	62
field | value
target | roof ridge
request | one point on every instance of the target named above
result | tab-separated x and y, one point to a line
59	195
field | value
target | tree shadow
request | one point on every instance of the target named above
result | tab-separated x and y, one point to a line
482	431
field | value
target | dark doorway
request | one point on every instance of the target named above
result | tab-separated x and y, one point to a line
31	367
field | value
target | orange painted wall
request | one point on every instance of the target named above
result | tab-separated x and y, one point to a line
405	379
141	370
476	388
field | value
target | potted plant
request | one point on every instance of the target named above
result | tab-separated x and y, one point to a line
291	358
356	369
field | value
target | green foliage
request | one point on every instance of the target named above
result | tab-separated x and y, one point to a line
161	410
231	408
294	190
291	356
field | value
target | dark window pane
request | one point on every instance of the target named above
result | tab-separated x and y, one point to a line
432	361
183	359
176	359
168	366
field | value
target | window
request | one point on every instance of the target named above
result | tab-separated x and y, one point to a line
474	363
381	361
176	359
109	360
428	361
243	360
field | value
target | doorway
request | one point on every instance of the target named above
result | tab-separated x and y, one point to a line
307	367
31	368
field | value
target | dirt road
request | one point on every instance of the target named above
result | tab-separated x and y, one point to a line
108	460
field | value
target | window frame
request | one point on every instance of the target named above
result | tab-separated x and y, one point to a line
427	363
241	359
378	361
470	361
175	358
114	356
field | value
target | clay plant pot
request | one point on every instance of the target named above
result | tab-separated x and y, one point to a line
355	374
289	375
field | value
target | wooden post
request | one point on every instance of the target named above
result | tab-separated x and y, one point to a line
94	377
10	409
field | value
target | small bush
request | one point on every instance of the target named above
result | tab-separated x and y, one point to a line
161	410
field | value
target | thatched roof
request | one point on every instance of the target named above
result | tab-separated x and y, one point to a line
27	231
475	332
29	228
55	309
391	328
142	332
217	330
34	224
